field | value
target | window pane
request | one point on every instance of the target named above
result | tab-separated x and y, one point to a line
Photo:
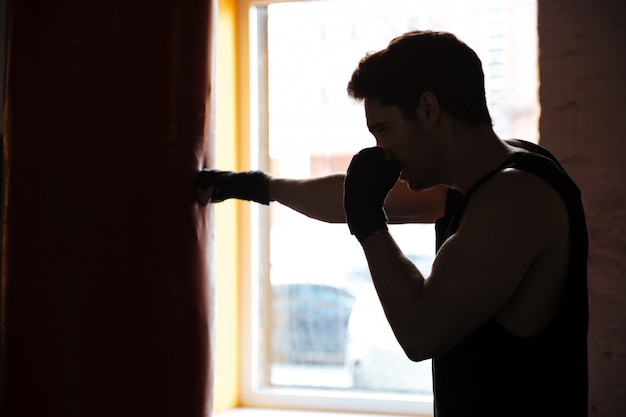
324	324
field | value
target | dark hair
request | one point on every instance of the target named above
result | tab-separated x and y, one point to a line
420	61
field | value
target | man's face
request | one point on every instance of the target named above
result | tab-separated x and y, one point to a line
408	141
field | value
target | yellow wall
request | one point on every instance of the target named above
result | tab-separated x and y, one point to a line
227	239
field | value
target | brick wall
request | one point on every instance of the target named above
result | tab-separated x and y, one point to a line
582	61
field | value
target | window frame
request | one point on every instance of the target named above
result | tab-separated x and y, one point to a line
253	114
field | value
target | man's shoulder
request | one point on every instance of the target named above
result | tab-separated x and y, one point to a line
518	194
517	185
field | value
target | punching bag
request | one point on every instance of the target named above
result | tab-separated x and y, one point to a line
107	292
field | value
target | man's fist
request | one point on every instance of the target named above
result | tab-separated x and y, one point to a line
214	186
369	178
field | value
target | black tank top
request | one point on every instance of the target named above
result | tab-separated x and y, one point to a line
495	373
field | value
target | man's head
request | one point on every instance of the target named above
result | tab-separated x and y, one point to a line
422	61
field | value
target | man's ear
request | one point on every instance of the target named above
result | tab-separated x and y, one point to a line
429	106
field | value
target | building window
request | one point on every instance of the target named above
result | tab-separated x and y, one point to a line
316	336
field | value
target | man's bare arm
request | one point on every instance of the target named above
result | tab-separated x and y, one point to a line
321	198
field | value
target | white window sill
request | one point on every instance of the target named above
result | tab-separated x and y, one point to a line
265	412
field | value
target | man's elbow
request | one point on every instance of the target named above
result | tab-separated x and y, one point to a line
416	356
415	352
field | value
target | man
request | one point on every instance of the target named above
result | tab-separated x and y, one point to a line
504	311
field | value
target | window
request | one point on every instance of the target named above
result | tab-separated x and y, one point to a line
315	335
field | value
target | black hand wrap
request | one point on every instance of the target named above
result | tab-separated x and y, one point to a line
250	185
368	181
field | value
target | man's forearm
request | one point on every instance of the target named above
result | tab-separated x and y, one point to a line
320	198
399	285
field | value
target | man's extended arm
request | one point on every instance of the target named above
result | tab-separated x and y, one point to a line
320	197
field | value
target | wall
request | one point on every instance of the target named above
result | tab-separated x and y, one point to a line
583	121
